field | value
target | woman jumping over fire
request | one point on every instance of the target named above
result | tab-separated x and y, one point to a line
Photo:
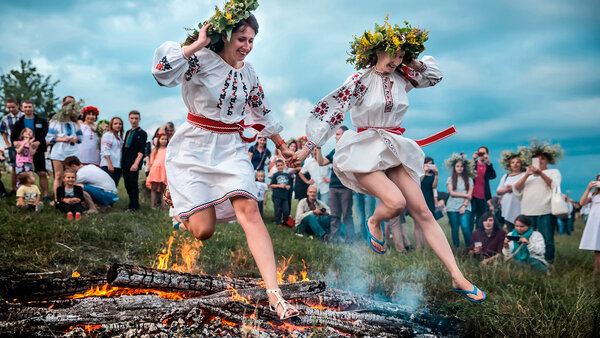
377	160
209	173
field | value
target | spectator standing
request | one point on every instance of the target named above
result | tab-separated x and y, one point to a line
133	152
64	136
319	176
262	187
98	187
429	183
364	205
312	215
484	172
513	163
534	189
89	148
528	247
25	149
70	196
40	130
6	126
281	183
487	240
28	194
157	179
340	197
111	148
259	154
460	188
590	240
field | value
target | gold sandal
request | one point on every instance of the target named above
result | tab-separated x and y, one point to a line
287	307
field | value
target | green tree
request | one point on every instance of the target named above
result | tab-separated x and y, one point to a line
27	84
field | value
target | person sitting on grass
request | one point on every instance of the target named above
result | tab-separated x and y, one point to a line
70	196
312	215
281	182
28	194
488	239
98	186
526	246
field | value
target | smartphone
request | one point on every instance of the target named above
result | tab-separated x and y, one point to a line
535	162
513	238
597	184
431	166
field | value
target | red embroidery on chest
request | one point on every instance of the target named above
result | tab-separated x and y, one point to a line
387	94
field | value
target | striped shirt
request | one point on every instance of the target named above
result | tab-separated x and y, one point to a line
8	122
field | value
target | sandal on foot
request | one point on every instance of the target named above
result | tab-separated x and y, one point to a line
474	292
288	309
372	239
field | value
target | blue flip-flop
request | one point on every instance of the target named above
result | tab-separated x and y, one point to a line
474	292
372	238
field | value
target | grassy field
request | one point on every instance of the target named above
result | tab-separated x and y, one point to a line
520	302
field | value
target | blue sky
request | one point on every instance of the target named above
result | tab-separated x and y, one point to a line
513	70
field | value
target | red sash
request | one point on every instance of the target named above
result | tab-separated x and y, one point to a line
225	128
422	143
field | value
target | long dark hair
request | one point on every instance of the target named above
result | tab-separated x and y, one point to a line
217	47
464	175
487	215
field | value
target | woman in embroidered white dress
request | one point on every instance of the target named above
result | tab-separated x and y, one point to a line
377	160
210	176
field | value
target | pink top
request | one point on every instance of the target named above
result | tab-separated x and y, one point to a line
25	155
479	187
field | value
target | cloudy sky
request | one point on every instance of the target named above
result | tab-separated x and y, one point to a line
513	70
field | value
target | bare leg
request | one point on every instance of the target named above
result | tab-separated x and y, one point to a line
89	201
58	174
43	176
153	192
597	261
202	224
434	234
161	189
259	242
392	201
13	179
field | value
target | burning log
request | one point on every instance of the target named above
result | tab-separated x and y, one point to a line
34	288
173	281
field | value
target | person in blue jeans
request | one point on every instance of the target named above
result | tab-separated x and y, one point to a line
460	189
312	215
363	205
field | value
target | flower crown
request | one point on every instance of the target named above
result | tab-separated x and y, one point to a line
468	164
90	109
553	152
68	112
412	40
225	20
508	155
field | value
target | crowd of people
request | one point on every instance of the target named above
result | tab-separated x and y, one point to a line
88	157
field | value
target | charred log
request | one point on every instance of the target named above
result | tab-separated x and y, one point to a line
33	288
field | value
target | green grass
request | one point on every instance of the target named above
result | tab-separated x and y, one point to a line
520	302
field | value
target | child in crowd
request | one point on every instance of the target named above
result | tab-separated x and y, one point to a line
261	196
70	196
281	183
28	194
25	148
526	246
157	178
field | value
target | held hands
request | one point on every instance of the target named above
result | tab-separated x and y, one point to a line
462	210
531	170
477	249
301	155
523	240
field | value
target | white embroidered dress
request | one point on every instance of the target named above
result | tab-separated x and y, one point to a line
378	101
206	168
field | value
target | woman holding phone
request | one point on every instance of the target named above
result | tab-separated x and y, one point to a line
590	240
534	190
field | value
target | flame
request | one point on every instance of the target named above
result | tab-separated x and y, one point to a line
291	278
51	306
75	274
185	261
226	322
236	296
112	291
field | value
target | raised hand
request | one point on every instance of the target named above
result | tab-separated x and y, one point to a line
301	155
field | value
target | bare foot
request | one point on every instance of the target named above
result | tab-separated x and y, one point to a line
375	230
463	284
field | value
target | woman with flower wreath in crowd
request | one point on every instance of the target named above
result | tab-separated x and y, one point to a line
514	164
377	160
209	173
89	148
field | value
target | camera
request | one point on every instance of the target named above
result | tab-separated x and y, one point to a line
480	153
513	238
323	210
597	184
